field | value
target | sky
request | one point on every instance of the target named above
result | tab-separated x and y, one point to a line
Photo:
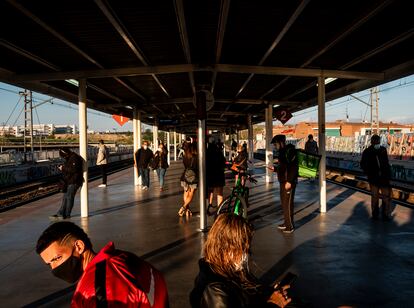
396	104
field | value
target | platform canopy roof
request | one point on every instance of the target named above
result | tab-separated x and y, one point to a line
155	54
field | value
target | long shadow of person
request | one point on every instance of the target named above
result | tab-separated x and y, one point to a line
363	263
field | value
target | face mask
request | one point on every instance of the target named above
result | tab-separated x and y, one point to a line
145	147
70	270
377	146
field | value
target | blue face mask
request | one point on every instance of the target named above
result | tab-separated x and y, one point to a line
377	146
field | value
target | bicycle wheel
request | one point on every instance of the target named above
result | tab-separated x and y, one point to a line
228	206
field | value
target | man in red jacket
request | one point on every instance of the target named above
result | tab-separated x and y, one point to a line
110	278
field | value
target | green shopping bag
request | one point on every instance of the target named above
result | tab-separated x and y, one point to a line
308	164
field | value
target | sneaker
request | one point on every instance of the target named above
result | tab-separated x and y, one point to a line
288	230
144	187
102	185
281	227
56	217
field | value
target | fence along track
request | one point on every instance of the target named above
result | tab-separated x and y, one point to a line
28	192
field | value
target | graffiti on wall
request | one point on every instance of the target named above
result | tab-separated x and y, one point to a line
7	178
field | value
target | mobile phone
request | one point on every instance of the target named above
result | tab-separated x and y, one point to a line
288	279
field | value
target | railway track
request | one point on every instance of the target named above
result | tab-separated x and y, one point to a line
402	191
22	194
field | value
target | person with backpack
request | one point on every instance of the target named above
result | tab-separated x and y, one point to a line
287	174
189	178
72	180
108	278
376	166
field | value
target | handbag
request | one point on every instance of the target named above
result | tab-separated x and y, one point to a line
235	166
190	176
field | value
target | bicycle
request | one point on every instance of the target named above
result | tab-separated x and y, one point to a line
238	201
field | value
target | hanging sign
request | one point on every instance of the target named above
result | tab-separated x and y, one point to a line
120	119
283	115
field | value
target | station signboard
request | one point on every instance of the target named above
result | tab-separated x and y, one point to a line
283	115
120	119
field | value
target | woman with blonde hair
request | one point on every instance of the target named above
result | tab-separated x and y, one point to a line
224	279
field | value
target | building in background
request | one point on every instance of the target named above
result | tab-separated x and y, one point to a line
39	130
340	129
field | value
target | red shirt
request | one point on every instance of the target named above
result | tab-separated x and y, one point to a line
116	278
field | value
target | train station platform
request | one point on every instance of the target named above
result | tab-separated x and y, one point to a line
342	257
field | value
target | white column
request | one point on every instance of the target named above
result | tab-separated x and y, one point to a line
155	136
269	148
136	126
250	136
202	187
175	146
168	148
237	136
223	140
83	146
321	141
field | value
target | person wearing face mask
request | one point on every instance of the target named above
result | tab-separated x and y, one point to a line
160	163
109	278
375	164
287	173
142	160
72	180
224	279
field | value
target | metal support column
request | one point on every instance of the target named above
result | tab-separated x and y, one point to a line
250	136
269	149
83	146
168	148
136	126
202	173
201	144
321	141
175	146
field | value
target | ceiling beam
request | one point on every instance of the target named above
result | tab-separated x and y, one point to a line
397	40
49	65
277	40
355	24
243	101
62	38
182	29
183	68
399	71
127	37
224	13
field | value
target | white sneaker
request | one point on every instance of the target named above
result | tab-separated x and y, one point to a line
102	185
144	187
